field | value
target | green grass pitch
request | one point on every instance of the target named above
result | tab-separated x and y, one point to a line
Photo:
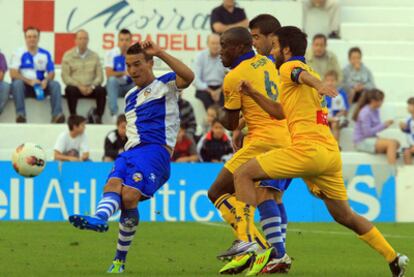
186	249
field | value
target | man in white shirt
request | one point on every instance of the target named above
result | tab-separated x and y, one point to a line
119	82
72	145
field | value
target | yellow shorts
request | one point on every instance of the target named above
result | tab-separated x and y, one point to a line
247	152
320	168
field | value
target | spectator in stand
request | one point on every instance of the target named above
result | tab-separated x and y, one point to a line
227	16
118	81
4	87
82	75
32	69
338	107
215	146
357	77
209	73
211	115
187	117
115	140
321	59
185	149
72	144
331	7
368	125
408	128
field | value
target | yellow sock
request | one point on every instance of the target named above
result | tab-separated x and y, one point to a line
377	241
226	205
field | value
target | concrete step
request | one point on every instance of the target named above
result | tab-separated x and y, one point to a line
379	31
380	14
397	87
396	65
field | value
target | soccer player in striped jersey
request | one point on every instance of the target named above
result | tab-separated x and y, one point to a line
153	122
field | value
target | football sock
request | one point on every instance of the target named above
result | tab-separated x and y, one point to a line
127	226
377	241
284	221
108	205
270	219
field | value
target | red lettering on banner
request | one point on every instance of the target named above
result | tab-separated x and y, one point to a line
186	48
148	37
108	41
176	42
199	47
322	118
162	41
135	38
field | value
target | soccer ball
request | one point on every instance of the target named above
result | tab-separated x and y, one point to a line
29	159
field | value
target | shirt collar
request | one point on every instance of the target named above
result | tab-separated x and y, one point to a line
82	55
297	58
243	57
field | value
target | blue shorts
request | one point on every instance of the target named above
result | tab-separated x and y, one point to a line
277	184
144	167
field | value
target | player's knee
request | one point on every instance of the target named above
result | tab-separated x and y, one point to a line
113	185
130	197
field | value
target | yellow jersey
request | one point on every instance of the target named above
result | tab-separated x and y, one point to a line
263	76
305	109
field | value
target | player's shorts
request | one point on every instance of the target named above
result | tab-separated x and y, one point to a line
319	167
144	167
277	184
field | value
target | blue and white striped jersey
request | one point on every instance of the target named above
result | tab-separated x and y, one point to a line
32	66
152	113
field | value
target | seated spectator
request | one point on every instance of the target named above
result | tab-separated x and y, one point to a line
211	115
187	117
227	16
331	7
209	73
118	81
322	60
4	87
408	128
338	107
185	148
368	125
72	144
215	146
115	140
357	77
82	75
28	68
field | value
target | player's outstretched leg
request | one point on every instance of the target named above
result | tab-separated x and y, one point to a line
107	206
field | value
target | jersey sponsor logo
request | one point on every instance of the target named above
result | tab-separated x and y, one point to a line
322	117
147	92
137	177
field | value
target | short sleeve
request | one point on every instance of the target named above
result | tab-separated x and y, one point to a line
214	16
15	60
50	67
60	143
109	59
242	14
290	72
232	97
84	147
169	79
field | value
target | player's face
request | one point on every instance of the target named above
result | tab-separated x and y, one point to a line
262	43
122	129
330	81
32	38
276	52
124	41
228	52
82	40
355	60
228	3
410	109
139	69
376	104
218	130
80	129
214	44
319	47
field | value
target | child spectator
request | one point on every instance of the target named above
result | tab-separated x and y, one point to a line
211	115
368	125
338	107
115	140
72	144
215	146
408	128
185	148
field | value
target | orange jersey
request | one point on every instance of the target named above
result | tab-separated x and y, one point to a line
305	109
263	76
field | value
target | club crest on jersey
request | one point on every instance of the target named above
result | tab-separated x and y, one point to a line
137	177
147	92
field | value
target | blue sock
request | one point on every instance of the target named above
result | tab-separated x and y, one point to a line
284	222
127	226
108	205
270	221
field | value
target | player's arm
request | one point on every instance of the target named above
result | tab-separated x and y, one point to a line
229	118
269	106
185	75
301	76
61	157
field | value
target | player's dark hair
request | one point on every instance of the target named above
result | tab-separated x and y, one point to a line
121	119
125	32
31	28
266	24
366	98
320	36
294	38
238	36
354	50
75	120
410	101
332	73
136	49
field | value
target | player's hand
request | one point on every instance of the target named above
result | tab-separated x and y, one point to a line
403	126
237	140
388	123
328	91
34	82
44	84
151	48
246	88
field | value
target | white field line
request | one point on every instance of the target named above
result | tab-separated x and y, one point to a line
349	233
